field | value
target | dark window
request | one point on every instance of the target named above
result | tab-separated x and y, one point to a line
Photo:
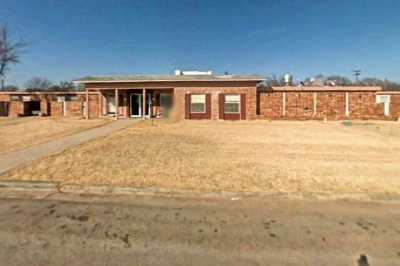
166	100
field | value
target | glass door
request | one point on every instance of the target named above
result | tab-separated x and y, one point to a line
111	108
136	105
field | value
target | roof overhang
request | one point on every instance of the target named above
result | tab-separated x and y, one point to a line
325	88
163	80
40	92
169	78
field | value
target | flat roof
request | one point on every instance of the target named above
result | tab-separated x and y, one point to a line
40	92
389	92
325	88
166	78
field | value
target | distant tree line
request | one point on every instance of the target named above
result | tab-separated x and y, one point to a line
43	84
335	80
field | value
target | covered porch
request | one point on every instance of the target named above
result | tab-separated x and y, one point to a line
132	102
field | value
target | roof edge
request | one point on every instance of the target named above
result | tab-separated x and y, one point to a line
164	80
326	88
41	92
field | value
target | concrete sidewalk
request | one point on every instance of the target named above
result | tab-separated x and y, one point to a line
16	158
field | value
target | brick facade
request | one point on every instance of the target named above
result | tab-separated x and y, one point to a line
73	106
179	90
395	105
290	103
320	103
250	92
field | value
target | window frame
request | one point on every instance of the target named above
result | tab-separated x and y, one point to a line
204	104
239	103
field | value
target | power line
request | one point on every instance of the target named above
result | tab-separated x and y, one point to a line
356	73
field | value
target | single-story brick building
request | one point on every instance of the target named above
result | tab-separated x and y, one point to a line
225	97
231	97
236	97
58	104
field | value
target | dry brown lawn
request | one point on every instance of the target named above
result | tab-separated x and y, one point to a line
20	133
262	156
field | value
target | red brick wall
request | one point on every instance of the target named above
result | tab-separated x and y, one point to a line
179	99
181	88
271	104
56	109
93	106
4	97
16	108
74	108
395	105
50	106
363	106
329	104
267	104
299	105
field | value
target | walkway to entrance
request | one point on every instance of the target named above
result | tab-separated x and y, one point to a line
13	159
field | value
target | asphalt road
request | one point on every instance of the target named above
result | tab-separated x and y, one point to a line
78	230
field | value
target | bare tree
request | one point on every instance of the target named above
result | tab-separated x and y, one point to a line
9	53
63	86
11	88
38	84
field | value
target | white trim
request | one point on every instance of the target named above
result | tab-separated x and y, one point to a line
315	103
160	80
108	96
149	102
284	103
347	111
386	108
327	88
64	104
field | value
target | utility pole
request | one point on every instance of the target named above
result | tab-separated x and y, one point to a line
2	81
356	73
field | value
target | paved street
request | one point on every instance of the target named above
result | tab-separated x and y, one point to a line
83	230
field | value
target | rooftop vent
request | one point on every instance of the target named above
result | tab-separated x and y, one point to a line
192	73
288	79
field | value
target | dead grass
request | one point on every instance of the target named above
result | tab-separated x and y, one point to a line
263	156
19	133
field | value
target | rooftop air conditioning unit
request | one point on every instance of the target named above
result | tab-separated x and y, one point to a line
197	73
288	79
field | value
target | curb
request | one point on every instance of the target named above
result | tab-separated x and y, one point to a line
188	193
56	187
110	190
30	185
